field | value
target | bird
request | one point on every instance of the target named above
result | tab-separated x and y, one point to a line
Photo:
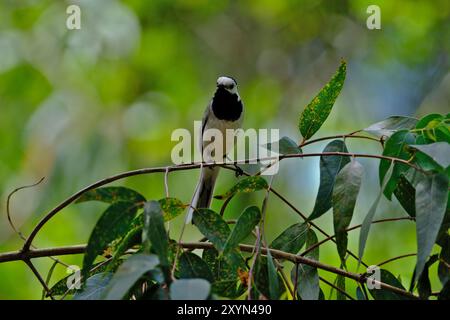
224	111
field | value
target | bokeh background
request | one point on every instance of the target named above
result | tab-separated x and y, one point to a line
80	105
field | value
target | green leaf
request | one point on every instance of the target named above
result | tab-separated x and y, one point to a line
115	222
284	146
383	294
226	267
154	232
429	121
406	195
345	192
431	203
246	185
340	283
111	195
367	222
263	282
438	151
246	222
133	237
94	287
172	208
128	273
212	226
292	239
359	294
389	126
192	266
329	168
317	111
424	284
308	278
190	289
396	146
227	271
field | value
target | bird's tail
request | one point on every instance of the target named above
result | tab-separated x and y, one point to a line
204	190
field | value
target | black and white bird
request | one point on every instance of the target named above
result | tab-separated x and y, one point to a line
225	111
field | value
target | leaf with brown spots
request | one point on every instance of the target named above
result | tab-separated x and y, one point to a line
246	185
317	111
111	195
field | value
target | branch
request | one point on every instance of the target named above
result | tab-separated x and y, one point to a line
78	249
189	166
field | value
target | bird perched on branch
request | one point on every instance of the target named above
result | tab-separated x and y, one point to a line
225	111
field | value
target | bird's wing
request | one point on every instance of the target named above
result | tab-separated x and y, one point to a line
206	116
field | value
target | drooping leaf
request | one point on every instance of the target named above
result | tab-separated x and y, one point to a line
396	146
154	233
317	111
340	283
308	278
246	222
438	151
284	146
245	185
329	168
192	266
128	273
262	281
367	222
345	192
111	195
212	226
172	208
389	126
431	203
383	294
94	287
424	284
274	284
190	289
292	239
114	223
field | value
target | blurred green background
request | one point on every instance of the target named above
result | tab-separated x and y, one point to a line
80	105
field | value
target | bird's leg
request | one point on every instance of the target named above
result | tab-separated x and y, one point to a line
238	171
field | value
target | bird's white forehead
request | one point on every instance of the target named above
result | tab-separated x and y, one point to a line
226	81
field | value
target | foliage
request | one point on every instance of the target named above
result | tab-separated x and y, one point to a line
147	263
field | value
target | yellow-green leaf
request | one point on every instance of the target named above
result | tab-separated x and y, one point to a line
317	111
246	185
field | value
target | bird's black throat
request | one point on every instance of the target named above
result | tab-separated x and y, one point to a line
226	106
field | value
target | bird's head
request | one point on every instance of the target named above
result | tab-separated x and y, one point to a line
228	84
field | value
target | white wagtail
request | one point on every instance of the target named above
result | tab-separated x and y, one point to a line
225	111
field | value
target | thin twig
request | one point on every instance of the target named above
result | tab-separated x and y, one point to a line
39	277
336	288
396	258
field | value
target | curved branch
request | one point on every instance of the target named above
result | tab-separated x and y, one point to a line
181	167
